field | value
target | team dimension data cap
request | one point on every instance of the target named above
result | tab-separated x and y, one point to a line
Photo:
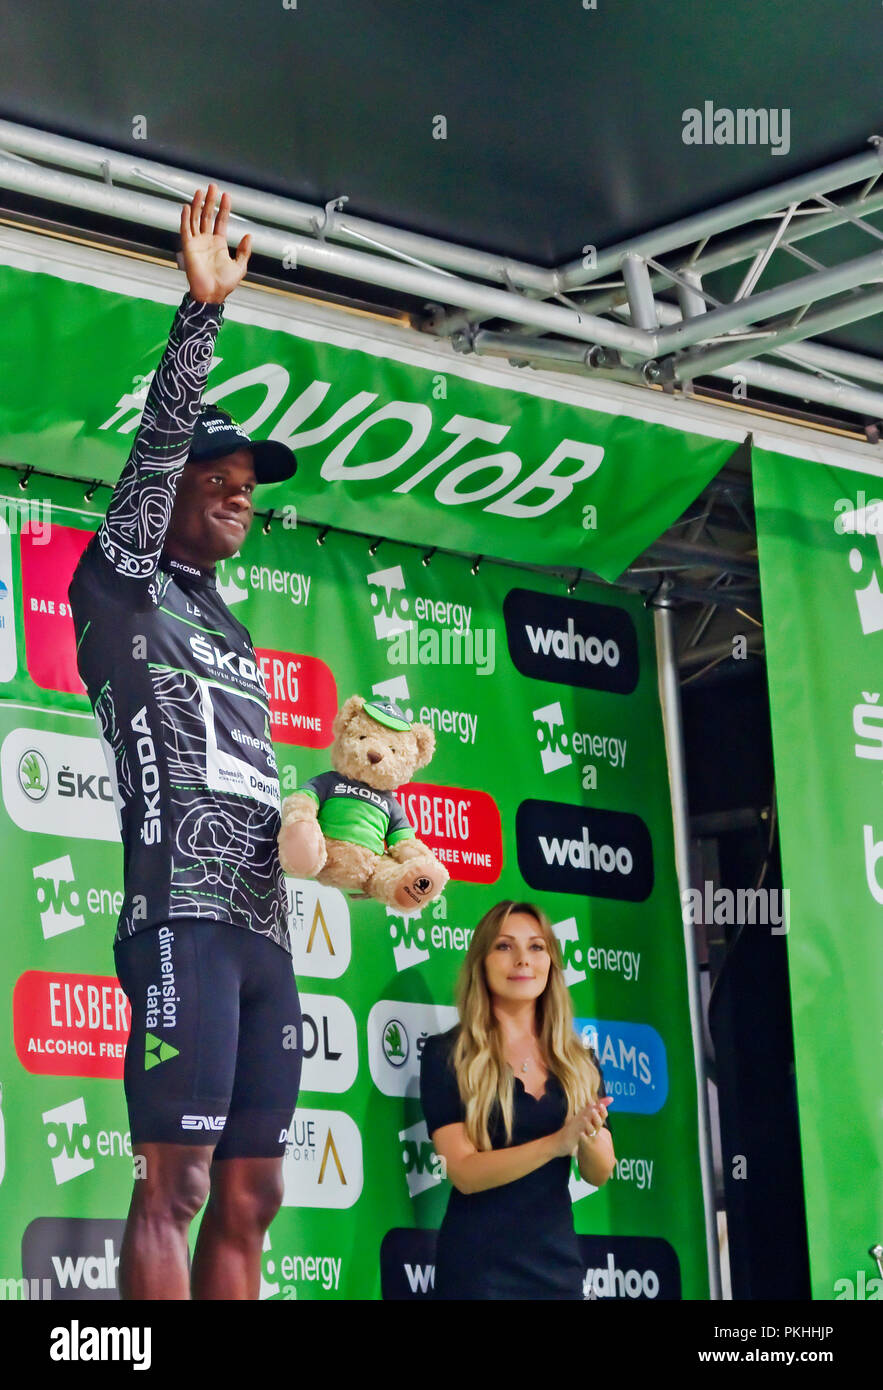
216	434
387	712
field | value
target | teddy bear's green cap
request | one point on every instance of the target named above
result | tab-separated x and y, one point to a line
387	712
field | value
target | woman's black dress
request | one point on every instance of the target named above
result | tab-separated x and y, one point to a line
517	1240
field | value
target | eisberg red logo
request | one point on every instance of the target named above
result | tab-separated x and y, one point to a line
46	572
461	826
303	697
70	1025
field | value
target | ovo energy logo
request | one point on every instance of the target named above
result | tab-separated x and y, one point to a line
67	1140
389	618
58	898
423	1166
550	719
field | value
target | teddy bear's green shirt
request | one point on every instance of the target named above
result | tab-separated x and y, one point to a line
353	811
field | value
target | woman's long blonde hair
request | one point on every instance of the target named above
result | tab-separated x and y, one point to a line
483	1075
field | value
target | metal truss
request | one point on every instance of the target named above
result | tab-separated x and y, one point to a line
637	311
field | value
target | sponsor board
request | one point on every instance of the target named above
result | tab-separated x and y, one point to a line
8	648
415	936
237	579
557	745
579	959
396	1034
571	642
303	697
70	1025
423	1166
46	573
633	1058
80	1256
322	1166
461	826
329	1042
630	1267
461	724
407	1263
63	904
579	849
58	784
319	928
281	1273
71	1145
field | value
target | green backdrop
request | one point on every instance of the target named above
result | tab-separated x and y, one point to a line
821	562
532	767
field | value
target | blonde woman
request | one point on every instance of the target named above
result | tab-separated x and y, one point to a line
509	1096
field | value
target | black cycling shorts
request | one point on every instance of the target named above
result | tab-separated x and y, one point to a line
214	1053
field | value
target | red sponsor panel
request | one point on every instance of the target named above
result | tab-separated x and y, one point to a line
48	560
303	697
461	826
70	1025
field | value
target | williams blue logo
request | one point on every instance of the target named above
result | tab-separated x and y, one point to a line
632	1058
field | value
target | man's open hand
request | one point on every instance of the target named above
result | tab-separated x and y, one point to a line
212	272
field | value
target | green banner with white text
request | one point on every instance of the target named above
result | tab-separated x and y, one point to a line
403	443
549	782
820	541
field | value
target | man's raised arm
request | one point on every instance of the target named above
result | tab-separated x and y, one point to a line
133	532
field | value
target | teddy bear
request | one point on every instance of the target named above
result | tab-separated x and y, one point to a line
346	829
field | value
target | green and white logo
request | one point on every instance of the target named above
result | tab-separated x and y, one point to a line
157	1051
33	774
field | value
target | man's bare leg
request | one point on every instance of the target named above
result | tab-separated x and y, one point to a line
246	1194
153	1261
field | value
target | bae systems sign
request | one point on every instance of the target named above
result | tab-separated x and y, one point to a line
573	849
571	642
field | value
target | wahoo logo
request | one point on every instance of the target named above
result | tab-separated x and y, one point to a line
230	581
571	642
571	952
410	939
573	849
389	619
77	1257
423	1167
212	1123
629	1267
157	1051
58	898
549	719
407	1263
65	1125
